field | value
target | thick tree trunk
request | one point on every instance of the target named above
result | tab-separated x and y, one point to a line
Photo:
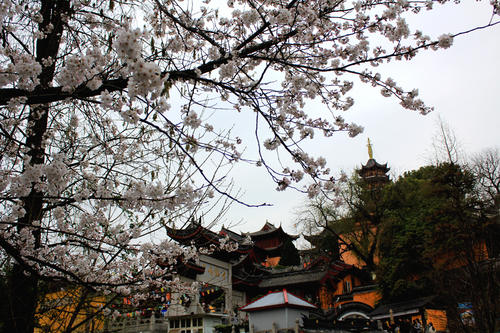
22	298
23	287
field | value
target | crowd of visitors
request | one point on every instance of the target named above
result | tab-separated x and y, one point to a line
406	326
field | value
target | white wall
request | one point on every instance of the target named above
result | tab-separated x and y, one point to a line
283	317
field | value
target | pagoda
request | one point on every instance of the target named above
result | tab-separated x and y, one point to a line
374	173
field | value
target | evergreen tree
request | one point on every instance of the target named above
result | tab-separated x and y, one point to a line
434	243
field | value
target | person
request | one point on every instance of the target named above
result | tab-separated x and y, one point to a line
430	328
386	327
418	326
405	326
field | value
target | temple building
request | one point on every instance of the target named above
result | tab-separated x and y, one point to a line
255	269
246	265
234	270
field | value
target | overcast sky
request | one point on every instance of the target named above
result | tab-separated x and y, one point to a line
462	83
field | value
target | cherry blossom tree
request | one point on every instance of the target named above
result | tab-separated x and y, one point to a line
104	136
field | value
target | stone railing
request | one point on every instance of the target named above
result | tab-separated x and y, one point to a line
133	325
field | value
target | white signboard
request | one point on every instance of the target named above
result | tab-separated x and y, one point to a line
216	272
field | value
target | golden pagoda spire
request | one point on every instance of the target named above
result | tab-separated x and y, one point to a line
370	150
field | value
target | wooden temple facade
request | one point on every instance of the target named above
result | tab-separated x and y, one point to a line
324	281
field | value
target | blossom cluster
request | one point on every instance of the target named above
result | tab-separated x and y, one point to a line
22	72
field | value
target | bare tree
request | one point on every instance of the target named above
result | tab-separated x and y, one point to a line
349	218
486	167
446	146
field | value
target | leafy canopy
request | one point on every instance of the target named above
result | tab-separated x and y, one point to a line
433	218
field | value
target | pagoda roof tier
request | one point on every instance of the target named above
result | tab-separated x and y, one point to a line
263	252
189	234
199	236
190	270
249	265
374	172
247	259
303	277
316	238
227	256
245	284
414	306
372	169
372	164
313	239
250	279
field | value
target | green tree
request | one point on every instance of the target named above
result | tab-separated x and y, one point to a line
411	203
289	254
433	242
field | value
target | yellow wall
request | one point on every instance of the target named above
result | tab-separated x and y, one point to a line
348	256
370	297
55	311
271	262
450	260
437	318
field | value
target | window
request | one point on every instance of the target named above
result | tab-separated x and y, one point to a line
187	323
347	287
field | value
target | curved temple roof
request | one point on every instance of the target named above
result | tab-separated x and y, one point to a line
269	229
278	299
